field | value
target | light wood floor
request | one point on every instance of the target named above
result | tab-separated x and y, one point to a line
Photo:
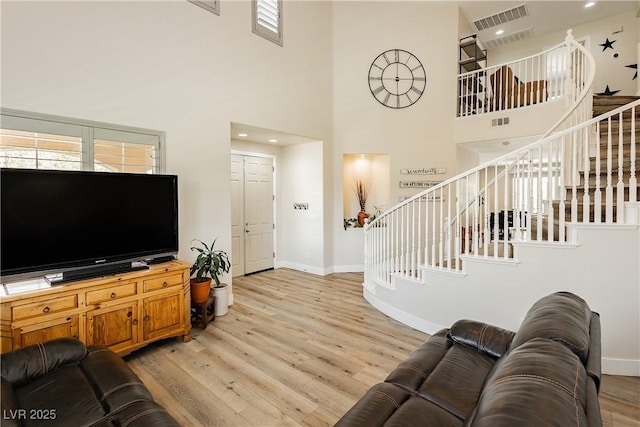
298	349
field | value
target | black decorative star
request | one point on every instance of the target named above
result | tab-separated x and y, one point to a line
635	67
608	92
608	44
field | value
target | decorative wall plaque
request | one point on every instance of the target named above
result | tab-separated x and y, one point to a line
418	184
423	171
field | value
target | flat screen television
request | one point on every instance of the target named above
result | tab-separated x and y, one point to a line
84	224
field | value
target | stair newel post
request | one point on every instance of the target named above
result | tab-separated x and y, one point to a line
586	173
633	185
620	185
609	189
597	193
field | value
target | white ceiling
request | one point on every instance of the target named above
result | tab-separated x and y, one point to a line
544	16
266	136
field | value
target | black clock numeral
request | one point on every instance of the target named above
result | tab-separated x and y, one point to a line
416	90
417	67
397	101
409	98
397	55
376	78
378	90
386	99
420	79
384	55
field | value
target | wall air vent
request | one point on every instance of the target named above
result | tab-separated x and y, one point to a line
502	17
521	35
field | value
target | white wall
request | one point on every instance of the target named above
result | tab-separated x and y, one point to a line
175	67
414	137
609	71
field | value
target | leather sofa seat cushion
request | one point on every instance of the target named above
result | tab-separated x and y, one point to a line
446	375
67	392
562	317
540	383
392	406
113	382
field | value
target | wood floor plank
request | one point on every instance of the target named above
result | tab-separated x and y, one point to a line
298	349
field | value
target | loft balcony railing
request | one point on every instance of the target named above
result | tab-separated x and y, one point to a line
557	73
577	173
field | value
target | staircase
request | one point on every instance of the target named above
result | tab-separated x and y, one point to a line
559	214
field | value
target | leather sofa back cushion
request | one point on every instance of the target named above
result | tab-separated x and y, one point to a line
19	367
562	317
541	383
486	339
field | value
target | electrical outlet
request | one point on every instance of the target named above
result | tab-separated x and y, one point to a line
301	206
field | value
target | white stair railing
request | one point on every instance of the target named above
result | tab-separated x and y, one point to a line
527	195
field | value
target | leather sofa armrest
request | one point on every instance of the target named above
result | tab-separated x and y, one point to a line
485	338
28	363
9	405
594	358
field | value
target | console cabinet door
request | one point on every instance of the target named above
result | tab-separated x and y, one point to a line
115	327
40	332
163	315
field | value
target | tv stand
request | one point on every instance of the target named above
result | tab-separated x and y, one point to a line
160	260
97	271
124	311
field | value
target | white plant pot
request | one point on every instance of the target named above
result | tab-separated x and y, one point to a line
222	300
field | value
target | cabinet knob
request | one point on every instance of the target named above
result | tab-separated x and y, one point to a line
134	322
113	295
146	318
46	309
165	284
129	314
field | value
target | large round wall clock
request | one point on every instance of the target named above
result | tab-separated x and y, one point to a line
397	78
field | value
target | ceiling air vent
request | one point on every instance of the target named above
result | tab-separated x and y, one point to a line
501	18
521	35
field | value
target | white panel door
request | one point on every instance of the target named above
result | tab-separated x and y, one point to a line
258	213
237	214
251	214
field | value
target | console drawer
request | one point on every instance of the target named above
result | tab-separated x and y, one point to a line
42	308
112	293
163	282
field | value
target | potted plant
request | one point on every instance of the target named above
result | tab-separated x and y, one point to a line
209	265
362	193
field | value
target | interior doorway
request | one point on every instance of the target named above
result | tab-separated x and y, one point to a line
252	219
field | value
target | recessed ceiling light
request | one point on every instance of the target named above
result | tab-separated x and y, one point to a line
591	3
499	32
242	134
273	140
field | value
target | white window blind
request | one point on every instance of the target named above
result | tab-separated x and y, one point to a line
267	19
27	141
210	5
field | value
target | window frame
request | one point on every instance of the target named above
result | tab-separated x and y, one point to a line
47	123
261	30
212	6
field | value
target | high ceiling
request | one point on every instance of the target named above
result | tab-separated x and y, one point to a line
543	17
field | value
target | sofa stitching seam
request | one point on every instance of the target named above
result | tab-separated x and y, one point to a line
114	389
385	395
531	377
575	393
43	357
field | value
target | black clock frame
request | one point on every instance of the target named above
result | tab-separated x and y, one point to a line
384	74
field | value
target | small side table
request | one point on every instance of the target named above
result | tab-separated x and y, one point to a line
203	313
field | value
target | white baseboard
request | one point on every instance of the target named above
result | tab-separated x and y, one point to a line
304	268
626	367
348	269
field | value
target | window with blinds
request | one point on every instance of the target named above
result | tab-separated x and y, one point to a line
33	141
267	19
210	5
34	150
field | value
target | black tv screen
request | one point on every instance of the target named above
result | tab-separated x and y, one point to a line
56	221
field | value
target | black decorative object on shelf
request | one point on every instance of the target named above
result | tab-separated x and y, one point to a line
397	78
608	92
635	67
607	44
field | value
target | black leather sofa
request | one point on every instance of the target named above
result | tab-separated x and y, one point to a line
63	383
473	374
